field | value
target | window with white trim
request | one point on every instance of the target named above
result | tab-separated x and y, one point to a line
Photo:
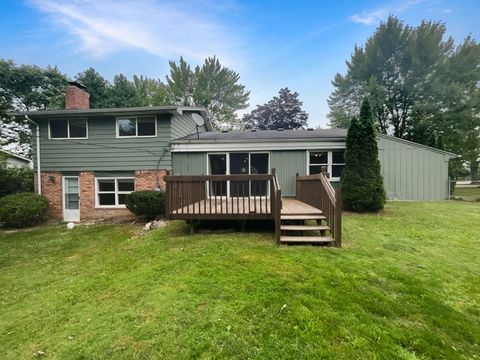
333	160
140	126
68	129
112	192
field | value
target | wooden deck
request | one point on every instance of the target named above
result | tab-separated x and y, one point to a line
313	216
244	207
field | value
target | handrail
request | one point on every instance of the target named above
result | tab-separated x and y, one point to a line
277	205
316	190
238	196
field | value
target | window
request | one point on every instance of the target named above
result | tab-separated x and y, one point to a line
333	160
68	129
111	192
238	164
137	126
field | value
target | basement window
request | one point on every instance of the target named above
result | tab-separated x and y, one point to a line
112	192
68	129
141	126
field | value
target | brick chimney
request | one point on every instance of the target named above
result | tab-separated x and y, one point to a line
76	97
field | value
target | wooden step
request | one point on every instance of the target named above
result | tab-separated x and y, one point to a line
306	239
302	217
304	227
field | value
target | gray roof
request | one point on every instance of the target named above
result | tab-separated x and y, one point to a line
255	136
118	112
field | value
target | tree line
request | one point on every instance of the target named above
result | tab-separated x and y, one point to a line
421	87
212	86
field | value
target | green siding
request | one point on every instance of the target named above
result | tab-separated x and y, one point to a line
412	172
183	125
287	165
104	151
189	163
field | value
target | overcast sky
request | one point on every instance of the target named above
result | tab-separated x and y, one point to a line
272	44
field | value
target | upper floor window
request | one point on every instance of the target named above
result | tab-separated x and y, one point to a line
68	129
333	161
137	126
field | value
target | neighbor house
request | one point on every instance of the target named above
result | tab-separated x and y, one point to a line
88	160
15	161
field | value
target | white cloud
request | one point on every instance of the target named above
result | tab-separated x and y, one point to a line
166	29
373	17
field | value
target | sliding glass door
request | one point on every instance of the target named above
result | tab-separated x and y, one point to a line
241	163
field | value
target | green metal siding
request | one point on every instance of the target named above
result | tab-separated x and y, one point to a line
288	164
189	163
412	172
103	150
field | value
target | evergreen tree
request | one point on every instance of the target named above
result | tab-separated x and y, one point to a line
362	183
97	87
123	93
284	111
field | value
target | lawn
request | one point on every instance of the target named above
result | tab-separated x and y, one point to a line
469	193
405	285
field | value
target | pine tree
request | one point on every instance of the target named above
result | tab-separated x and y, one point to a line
361	182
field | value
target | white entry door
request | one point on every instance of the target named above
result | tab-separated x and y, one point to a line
71	199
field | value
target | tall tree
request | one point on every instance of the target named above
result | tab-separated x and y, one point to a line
361	182
394	70
26	87
150	92
212	86
123	93
283	111
97	87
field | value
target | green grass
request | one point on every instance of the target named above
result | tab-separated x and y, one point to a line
406	285
468	193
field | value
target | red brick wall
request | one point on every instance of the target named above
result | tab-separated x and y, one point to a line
52	190
144	180
147	179
76	98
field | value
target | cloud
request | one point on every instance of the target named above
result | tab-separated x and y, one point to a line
166	29
373	17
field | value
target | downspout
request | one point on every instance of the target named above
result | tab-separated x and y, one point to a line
39	177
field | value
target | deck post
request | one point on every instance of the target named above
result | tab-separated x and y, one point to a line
338	218
167	196
278	214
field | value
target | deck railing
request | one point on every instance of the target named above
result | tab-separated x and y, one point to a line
222	196
317	191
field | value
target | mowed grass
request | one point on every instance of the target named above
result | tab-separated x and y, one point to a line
470	193
405	285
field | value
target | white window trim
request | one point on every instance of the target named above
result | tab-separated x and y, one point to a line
227	167
68	130
117	133
116	192
329	160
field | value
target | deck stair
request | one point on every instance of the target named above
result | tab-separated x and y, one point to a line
302	223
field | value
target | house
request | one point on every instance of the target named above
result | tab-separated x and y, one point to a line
15	161
88	160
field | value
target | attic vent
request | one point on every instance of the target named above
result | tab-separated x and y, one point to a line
253	130
310	129
280	129
224	131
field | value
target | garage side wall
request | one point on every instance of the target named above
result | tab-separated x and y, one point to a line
412	172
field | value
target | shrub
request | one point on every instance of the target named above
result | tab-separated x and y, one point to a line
147	203
362	183
13	180
23	209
